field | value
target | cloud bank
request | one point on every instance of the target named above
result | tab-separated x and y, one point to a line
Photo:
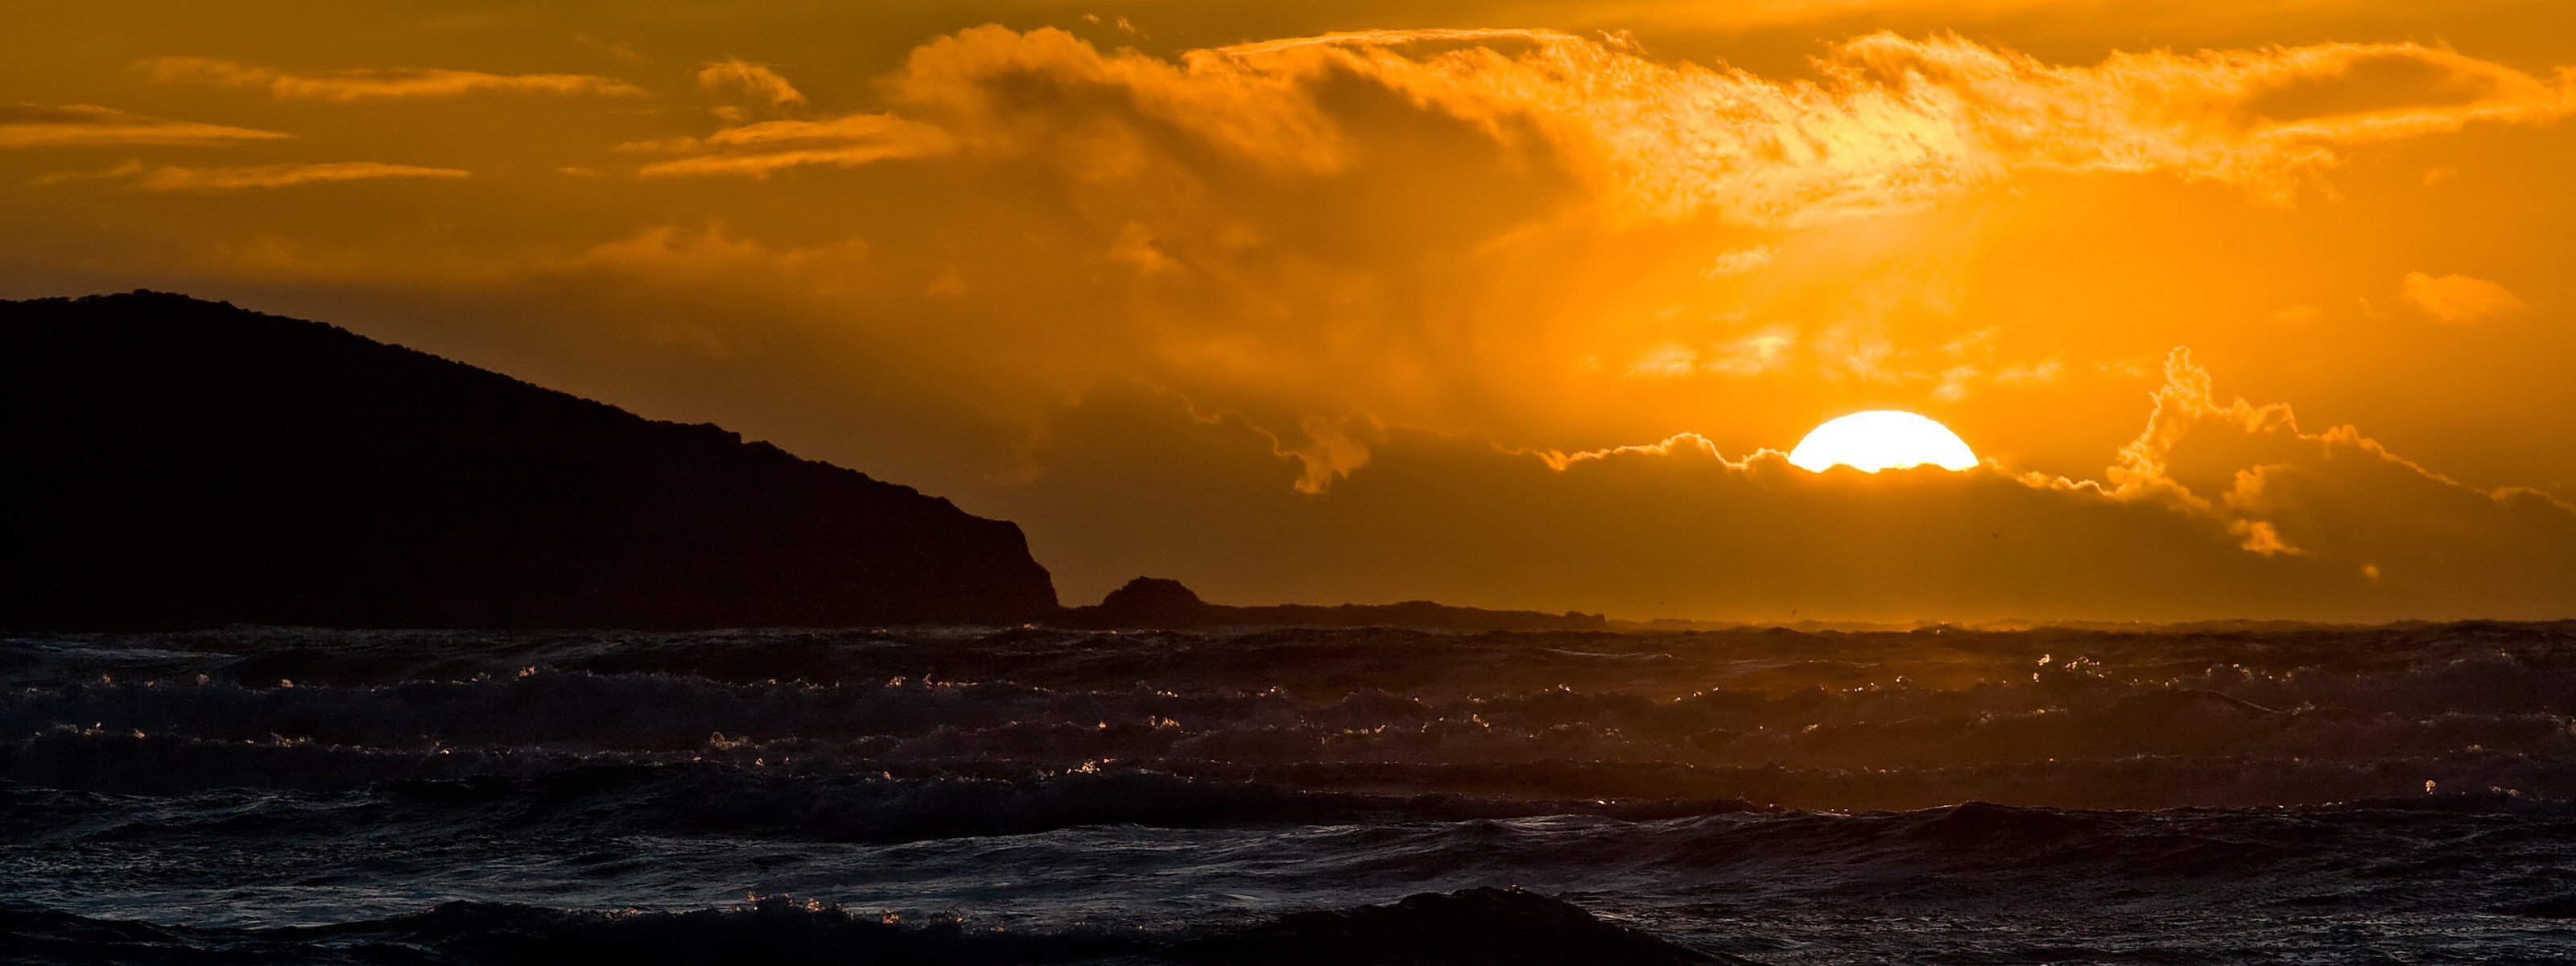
1892	120
2216	510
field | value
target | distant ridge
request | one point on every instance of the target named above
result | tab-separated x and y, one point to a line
1156	602
180	463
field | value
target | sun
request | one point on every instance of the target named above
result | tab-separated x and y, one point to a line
1881	439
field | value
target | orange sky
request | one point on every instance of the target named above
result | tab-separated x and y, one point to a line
2253	308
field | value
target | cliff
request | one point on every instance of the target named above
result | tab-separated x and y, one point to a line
1155	602
179	463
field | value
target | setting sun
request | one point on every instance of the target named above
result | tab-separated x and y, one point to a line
1881	439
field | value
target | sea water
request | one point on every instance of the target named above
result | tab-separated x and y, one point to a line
979	795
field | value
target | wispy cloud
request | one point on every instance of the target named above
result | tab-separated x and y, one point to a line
343	86
175	178
1755	354
759	150
118	171
667	250
2457	299
85	125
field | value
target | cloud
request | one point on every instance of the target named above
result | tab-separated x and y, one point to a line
1666	361
1763	351
344	86
1740	261
2310	525
1972	360
175	178
2286	490
2457	299
1758	15
759	150
85	125
1894	120
754	79
123	169
662	251
1488	229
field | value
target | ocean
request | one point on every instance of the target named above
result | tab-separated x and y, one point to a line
2231	793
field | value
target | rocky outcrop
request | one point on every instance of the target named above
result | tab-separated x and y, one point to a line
180	463
1156	602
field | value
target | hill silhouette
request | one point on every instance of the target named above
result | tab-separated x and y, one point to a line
181	463
1157	602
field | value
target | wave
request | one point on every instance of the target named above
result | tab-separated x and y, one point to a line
1942	795
2209	717
2483	702
712	799
1436	831
1473	926
1311	661
104	760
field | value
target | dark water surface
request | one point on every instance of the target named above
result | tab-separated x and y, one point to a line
1332	796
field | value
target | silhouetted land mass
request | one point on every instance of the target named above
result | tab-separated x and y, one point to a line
180	463
1155	602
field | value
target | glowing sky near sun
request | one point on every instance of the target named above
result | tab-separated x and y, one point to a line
2255	309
